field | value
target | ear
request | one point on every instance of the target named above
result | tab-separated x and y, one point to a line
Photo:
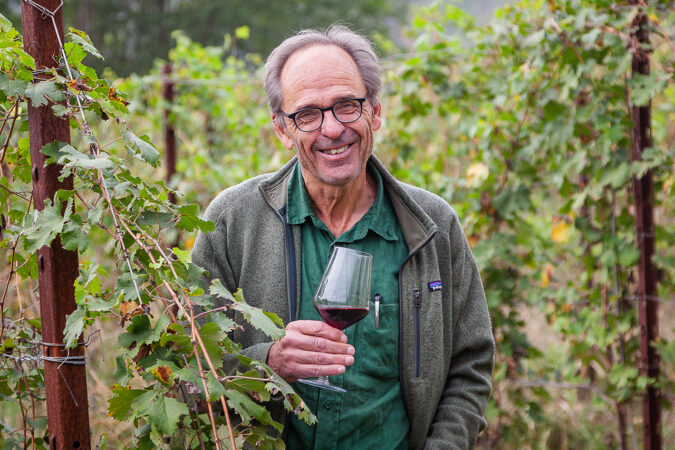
282	133
377	115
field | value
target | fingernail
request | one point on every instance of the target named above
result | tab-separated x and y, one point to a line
341	369
351	350
343	338
349	360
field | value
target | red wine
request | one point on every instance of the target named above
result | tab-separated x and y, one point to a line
341	317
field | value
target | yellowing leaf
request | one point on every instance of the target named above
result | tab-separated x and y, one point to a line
477	173
561	231
162	373
116	97
546	275
242	33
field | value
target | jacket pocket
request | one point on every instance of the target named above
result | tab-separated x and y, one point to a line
417	297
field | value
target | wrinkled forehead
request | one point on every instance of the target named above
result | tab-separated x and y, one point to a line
317	58
319	70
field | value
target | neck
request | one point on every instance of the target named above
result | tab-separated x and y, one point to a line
341	207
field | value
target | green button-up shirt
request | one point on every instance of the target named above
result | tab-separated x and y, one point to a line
371	414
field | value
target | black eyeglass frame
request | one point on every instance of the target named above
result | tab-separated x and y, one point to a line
323	110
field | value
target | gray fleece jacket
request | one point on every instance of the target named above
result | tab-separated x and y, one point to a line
446	347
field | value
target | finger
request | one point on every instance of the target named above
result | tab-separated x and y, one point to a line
317	328
312	371
292	363
311	343
320	359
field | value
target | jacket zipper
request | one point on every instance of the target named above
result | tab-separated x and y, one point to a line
401	318
418	337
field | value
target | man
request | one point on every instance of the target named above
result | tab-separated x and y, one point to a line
421	379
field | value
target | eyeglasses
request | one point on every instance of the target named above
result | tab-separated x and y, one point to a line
345	111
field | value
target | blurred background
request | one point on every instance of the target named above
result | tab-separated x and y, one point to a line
131	34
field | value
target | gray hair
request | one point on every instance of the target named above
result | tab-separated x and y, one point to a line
356	45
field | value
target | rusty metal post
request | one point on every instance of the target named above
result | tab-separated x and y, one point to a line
643	189
65	384
169	132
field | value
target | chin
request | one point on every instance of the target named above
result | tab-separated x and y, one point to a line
343	179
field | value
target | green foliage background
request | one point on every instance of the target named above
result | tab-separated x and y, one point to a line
523	125
132	33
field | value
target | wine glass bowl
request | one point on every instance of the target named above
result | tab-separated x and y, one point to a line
343	295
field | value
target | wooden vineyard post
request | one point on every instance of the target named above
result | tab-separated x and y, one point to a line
169	132
643	189
65	372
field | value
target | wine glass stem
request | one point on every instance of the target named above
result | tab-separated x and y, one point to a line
321	382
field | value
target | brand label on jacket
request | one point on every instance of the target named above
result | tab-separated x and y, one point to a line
435	286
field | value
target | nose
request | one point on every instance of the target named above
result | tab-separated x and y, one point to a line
331	127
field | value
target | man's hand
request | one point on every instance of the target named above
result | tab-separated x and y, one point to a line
310	349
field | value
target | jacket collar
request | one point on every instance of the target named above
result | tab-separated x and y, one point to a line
416	225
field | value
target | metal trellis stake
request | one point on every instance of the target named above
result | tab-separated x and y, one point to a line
643	189
65	373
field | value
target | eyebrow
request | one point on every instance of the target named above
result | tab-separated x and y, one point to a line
310	105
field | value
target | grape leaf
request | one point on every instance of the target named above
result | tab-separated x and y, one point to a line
215	387
66	154
178	337
25	58
162	412
212	335
119	406
48	223
189	219
183	256
38	93
74	235
80	37
142	147
247	409
12	88
217	289
267	322
223	321
94	215
73	328
152	218
139	330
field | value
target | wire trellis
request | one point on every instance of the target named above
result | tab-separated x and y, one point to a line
38	357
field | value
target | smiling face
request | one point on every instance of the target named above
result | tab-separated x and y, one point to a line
336	153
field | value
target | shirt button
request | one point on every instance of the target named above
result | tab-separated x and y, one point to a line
328	404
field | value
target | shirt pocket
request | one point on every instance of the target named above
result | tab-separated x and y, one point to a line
382	347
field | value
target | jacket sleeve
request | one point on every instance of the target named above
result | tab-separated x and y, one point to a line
210	253
459	415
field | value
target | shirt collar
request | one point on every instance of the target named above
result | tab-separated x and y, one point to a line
380	218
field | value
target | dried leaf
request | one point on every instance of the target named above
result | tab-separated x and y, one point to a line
546	275
163	373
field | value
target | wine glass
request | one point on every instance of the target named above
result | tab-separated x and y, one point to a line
342	298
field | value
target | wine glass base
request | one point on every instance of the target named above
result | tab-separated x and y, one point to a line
322	383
